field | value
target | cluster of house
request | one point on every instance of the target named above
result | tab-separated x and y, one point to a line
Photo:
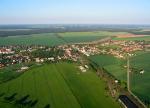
132	46
67	53
20	54
87	50
13	55
71	52
117	53
4	50
129	46
124	47
24	54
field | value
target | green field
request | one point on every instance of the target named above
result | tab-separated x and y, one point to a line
75	37
60	85
140	82
35	39
52	39
113	65
9	72
146	38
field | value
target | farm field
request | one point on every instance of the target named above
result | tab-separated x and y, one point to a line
147	38
113	65
139	83
75	37
60	85
34	39
83	37
52	39
9	72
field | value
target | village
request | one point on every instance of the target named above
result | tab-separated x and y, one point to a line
17	54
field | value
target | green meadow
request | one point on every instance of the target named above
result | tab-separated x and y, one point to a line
60	85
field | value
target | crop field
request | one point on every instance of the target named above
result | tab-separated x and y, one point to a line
34	39
113	65
147	38
9	72
60	85
75	37
52	39
140	82
81	37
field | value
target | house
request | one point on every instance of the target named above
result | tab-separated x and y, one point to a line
82	68
41	60
6	51
24	68
51	59
86	66
37	60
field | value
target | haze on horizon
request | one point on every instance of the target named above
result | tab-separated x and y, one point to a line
74	12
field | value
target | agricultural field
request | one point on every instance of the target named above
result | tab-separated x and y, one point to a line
113	65
34	39
147	38
60	85
76	37
52	39
9	72
140	82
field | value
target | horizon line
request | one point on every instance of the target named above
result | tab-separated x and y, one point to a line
72	24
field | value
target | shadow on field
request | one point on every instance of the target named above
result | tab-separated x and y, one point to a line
11	97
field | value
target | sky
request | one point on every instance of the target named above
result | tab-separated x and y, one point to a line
74	11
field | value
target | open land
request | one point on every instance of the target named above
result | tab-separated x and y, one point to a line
139	83
53	83
58	85
52	39
117	67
